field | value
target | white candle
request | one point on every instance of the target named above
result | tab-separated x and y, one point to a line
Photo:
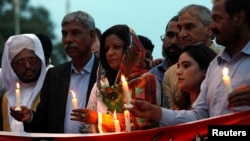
74	100
127	120
126	92
18	104
117	123
226	80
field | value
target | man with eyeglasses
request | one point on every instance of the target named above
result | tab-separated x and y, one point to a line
193	24
74	78
170	49
23	63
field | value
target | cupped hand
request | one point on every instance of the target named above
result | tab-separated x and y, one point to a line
240	96
23	115
85	115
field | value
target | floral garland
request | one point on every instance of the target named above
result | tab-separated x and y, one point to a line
112	96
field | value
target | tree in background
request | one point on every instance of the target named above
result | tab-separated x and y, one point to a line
32	20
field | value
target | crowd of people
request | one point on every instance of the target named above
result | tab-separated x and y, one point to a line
186	85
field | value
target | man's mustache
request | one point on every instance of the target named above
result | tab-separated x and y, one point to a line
28	70
70	46
174	47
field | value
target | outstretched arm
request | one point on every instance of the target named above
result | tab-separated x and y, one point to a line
146	110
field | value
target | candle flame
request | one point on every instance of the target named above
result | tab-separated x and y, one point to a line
225	71
73	94
123	78
115	117
17	85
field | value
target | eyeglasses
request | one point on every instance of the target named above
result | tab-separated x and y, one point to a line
162	37
169	35
23	61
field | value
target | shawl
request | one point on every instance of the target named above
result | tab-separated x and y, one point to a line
142	85
9	77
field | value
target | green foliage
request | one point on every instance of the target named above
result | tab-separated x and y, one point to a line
32	20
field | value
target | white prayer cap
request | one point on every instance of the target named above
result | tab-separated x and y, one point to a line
18	43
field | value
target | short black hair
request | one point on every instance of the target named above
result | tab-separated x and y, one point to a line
202	54
120	30
46	44
175	19
146	42
234	6
98	33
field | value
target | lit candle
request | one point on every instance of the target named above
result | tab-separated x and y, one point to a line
126	92
226	80
117	123
127	120
74	100
18	107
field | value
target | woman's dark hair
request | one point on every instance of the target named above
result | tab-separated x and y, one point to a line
202	54
122	31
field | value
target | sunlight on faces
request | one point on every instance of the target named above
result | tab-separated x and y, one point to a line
114	47
189	73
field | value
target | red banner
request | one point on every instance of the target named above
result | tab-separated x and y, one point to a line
197	130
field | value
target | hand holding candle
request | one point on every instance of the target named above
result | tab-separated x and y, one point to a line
126	92
226	80
18	104
74	100
117	123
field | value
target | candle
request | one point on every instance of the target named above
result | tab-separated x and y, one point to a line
117	123
127	120
226	80
126	92
18	108
74	100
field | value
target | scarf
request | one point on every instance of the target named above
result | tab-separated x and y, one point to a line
29	91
